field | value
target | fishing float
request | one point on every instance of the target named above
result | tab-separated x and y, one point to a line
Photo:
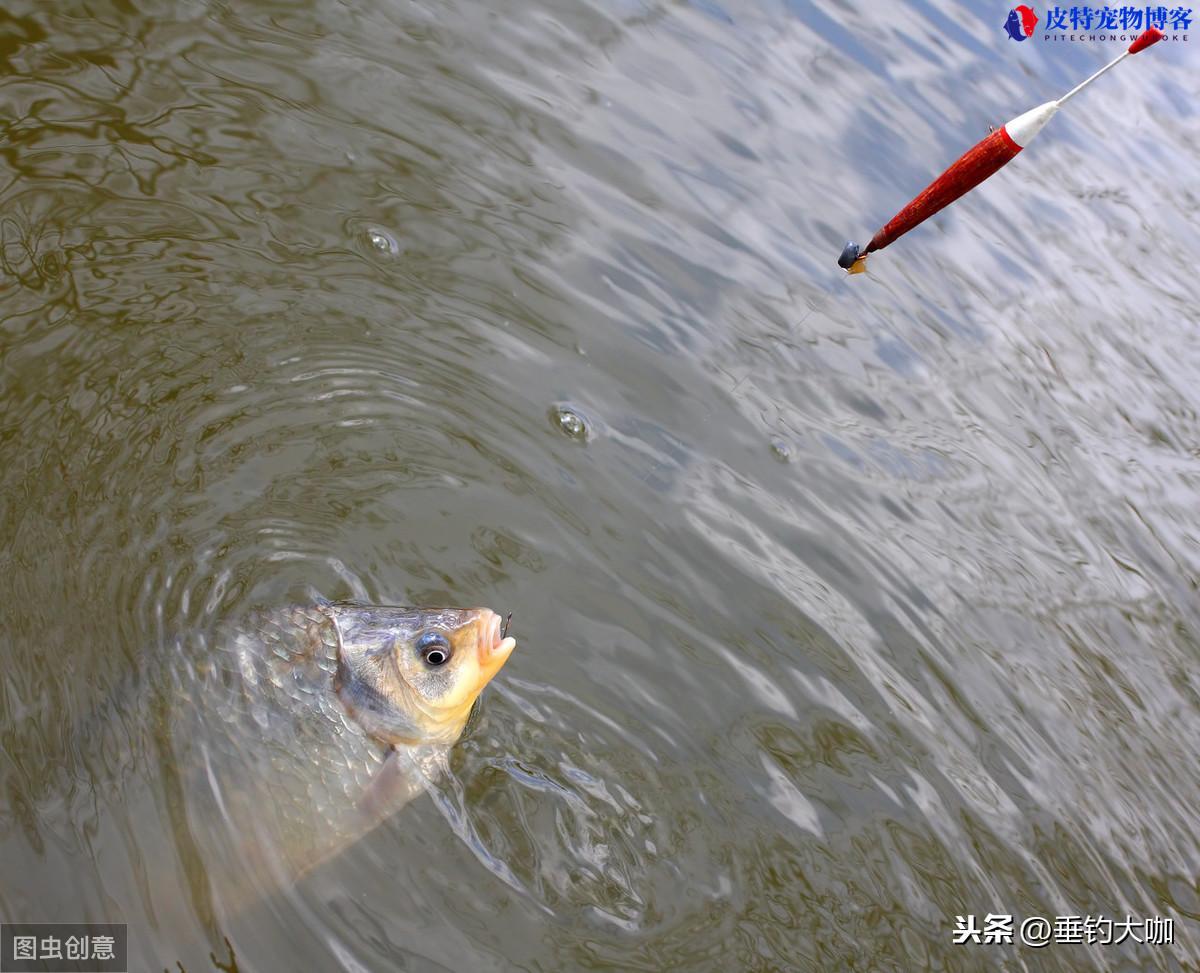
977	163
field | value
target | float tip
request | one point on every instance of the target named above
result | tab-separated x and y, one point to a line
1151	36
851	254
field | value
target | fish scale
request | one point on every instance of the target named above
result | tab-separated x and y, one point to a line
263	730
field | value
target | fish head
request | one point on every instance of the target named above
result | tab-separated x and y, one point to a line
411	675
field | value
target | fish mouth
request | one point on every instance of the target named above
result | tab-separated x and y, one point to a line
494	645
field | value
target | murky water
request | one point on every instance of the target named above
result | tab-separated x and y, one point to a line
845	606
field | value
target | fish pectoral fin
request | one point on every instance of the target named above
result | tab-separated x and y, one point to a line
859	266
395	784
397	781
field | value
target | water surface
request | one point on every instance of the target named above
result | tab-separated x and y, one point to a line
845	606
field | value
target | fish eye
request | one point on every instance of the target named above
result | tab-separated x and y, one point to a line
433	649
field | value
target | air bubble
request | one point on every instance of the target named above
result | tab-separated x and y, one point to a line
382	241
570	423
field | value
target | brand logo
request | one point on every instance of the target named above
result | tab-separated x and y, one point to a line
1021	22
1118	18
1081	22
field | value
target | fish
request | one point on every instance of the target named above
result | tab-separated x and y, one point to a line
305	728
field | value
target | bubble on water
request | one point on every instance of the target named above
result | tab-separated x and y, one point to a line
781	450
382	241
570	423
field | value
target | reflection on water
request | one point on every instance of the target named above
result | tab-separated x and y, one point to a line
846	606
